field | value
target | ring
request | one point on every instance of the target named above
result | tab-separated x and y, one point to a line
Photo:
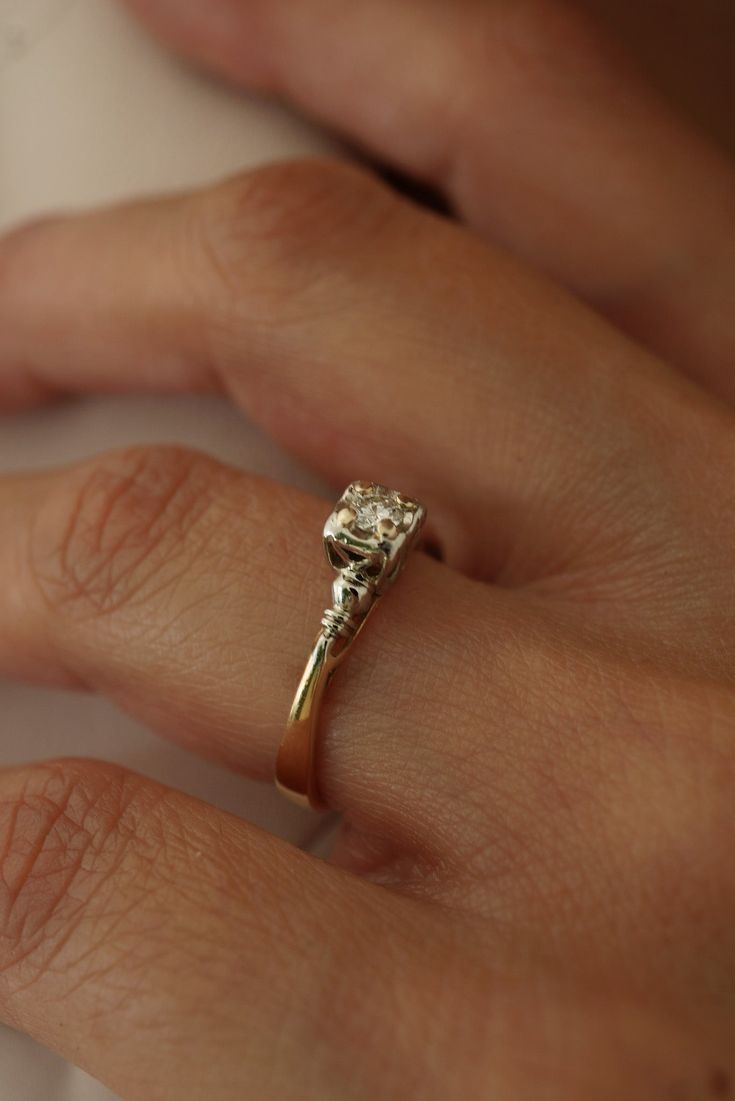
367	539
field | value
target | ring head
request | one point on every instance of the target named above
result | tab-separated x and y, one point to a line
372	529
367	539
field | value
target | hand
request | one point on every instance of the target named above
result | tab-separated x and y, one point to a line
533	744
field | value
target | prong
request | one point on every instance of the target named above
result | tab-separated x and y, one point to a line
387	529
346	516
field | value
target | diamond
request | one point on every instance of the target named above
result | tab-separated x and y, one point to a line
373	506
371	513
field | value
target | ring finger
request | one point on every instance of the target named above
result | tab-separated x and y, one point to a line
189	593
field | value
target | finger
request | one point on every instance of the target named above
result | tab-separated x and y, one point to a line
370	336
193	955
175	952
538	131
190	594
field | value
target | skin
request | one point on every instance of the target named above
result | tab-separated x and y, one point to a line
533	745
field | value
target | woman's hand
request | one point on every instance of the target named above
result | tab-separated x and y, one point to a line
533	745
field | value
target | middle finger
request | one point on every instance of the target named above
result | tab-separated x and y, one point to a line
375	339
369	337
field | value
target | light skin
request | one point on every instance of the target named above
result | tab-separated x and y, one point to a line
533	743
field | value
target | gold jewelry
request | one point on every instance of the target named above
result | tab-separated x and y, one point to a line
367	538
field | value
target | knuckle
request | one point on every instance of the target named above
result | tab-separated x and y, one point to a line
66	828
119	528
268	230
296	200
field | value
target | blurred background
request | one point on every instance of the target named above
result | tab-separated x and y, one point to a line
687	48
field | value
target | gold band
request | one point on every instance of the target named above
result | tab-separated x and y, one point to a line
367	538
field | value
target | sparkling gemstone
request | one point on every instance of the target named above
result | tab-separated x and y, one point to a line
370	514
371	508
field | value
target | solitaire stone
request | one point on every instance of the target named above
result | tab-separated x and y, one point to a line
375	507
